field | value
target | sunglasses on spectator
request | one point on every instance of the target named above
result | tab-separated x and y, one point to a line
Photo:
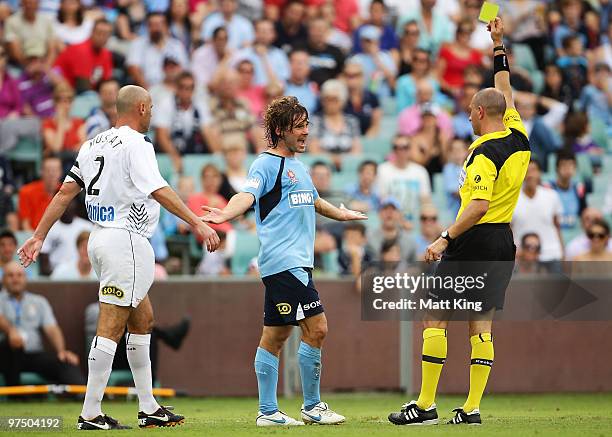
596	235
353	75
429	218
401	147
330	98
245	70
532	247
186	87
412	32
64	99
421	59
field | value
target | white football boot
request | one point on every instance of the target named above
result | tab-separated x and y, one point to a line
277	419
322	415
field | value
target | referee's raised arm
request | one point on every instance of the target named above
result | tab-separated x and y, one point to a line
501	67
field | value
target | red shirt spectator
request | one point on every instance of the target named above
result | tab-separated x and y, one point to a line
73	137
36	196
347	12
85	65
455	65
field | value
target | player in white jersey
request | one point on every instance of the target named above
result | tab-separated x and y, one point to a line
119	173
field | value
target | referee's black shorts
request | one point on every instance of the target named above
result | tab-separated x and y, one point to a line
487	251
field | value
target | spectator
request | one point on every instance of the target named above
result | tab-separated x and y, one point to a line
290	29
131	15
573	64
36	196
248	90
299	84
166	90
216	263
147	52
333	131
182	125
429	231
554	85
571	25
403	179
335	37
354	252
361	102
363	196
581	244
461	120
451	173
22	343
232	117
408	46
456	56
12	125
8	249
410	120
270	62
596	97
347	15
85	65
76	269
541	129
103	117
572	193
577	134
435	27
420	72
210	57
8	217
235	169
391	229
179	23
321	174
240	30
378	66
527	21
326	61
480	38
29	25
430	143
73	24
598	234
63	134
539	211
603	53
528	255
35	84
378	17
59	247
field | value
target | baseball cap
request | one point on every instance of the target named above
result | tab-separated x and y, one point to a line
389	201
171	59
370	32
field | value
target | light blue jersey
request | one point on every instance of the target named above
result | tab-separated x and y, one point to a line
285	213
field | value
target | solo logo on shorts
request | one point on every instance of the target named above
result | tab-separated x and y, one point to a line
111	290
283	308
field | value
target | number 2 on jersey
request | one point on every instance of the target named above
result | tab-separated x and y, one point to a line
91	190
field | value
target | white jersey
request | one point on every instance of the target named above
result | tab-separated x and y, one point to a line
118	171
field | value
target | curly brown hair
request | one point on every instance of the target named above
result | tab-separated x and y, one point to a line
283	114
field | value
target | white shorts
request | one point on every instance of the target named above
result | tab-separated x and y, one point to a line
125	265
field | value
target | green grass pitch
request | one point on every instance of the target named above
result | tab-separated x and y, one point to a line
503	415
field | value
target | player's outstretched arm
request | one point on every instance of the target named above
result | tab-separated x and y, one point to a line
501	69
342	214
238	205
28	253
168	198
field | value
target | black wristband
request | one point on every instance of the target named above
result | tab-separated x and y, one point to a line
500	63
501	47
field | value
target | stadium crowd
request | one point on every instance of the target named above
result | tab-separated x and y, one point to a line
387	85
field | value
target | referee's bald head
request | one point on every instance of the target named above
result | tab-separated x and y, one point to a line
134	108
488	105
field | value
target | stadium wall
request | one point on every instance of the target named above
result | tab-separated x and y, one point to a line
216	357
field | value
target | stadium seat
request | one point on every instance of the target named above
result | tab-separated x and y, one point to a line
247	248
524	58
341	180
31	378
309	159
192	166
585	167
84	103
28	150
389	106
388	127
351	163
379	147
165	167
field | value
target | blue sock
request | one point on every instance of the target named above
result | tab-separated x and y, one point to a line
309	359
266	369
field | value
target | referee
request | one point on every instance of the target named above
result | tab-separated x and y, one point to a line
481	237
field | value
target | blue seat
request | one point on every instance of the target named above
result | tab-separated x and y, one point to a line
192	166
351	163
84	103
28	150
247	248
379	147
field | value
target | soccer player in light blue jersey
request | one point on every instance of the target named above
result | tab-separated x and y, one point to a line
285	205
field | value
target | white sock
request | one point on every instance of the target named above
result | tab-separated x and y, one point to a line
140	363
100	364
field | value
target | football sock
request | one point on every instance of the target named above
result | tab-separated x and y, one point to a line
139	357
309	359
480	367
100	364
434	355
266	369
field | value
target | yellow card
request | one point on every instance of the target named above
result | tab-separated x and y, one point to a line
488	12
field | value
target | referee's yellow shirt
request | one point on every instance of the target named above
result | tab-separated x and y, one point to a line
495	169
